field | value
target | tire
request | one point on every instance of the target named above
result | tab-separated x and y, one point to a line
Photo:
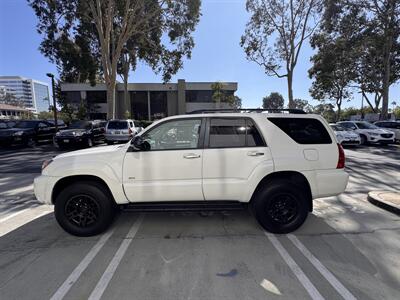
268	210
30	142
110	143
364	140
84	209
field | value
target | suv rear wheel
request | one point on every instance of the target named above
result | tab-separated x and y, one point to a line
84	209
280	207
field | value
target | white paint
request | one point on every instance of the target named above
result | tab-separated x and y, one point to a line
345	293
270	287
309	287
76	273
112	267
13	214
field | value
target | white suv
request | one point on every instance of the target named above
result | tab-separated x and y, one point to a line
275	162
369	133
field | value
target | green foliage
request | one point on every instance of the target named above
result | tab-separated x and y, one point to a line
220	95
46	115
326	110
82	111
127	114
274	100
396	112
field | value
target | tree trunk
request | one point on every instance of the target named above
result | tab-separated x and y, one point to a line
111	99
126	94
290	89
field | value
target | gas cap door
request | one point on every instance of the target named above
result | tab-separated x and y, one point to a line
311	154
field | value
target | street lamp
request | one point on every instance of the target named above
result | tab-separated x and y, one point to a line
54	100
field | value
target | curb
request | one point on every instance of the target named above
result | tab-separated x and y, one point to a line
378	198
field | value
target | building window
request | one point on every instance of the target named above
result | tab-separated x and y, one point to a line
139	107
158	105
72	97
199	96
96	97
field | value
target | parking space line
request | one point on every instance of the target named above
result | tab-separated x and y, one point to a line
112	266
345	293
309	287
4	212
76	273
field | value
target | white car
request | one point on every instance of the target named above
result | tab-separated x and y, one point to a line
393	126
368	132
345	136
121	130
277	163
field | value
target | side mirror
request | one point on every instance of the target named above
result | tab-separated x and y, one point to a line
139	144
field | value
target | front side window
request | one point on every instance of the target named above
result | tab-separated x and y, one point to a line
365	125
174	135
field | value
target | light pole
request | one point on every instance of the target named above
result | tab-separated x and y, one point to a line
54	100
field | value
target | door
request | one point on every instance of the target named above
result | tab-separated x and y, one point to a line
234	147
44	132
171	170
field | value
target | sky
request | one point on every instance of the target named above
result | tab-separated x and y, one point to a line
217	55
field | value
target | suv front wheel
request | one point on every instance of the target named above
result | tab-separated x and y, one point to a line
84	209
280	207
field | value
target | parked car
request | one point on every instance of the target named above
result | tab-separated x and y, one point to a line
6	124
121	130
369	133
60	124
80	133
28	133
345	136
275	163
393	126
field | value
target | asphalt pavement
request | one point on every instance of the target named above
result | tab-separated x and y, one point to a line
347	249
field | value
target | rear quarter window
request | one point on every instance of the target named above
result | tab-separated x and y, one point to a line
303	130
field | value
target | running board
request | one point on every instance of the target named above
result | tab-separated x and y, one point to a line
184	206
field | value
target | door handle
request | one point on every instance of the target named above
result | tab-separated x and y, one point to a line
255	153
191	155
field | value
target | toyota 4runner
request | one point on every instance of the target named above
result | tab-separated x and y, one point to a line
276	163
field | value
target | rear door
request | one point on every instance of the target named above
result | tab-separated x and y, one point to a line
234	147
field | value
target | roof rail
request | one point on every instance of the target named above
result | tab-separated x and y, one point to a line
247	110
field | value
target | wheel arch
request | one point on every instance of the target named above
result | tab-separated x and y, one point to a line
68	180
294	176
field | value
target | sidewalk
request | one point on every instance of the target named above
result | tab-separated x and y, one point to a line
386	200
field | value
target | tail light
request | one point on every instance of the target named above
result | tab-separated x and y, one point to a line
341	160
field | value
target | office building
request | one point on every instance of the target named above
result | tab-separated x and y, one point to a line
146	101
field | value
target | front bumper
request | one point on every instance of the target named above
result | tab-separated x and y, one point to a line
10	140
380	139
70	140
351	141
43	188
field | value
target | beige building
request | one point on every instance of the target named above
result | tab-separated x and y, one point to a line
147	101
11	112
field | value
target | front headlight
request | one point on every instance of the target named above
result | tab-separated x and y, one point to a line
18	133
80	133
58	133
46	163
373	133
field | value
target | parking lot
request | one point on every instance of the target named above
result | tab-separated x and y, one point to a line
347	248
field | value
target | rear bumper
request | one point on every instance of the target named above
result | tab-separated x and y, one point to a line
43	187
330	182
118	137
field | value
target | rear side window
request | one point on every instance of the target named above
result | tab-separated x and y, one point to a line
117	125
233	132
303	130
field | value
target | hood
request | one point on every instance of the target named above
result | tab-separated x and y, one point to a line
103	150
377	130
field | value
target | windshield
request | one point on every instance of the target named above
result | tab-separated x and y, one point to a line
365	125
117	125
26	124
80	125
338	128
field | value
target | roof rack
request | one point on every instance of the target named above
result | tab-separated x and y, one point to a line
247	110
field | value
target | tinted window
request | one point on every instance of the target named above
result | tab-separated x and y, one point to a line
227	133
303	130
174	135
26	124
254	138
80	125
117	125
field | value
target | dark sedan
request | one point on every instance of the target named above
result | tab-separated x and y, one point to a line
81	133
27	133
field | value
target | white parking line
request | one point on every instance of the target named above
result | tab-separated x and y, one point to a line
65	287
310	288
4	212
112	267
345	293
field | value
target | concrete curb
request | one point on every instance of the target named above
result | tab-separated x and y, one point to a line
385	199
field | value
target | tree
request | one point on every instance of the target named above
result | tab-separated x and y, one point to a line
237	102
111	24
273	101
326	110
220	95
290	22
303	105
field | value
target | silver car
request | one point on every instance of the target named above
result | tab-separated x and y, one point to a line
393	126
344	136
121	130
